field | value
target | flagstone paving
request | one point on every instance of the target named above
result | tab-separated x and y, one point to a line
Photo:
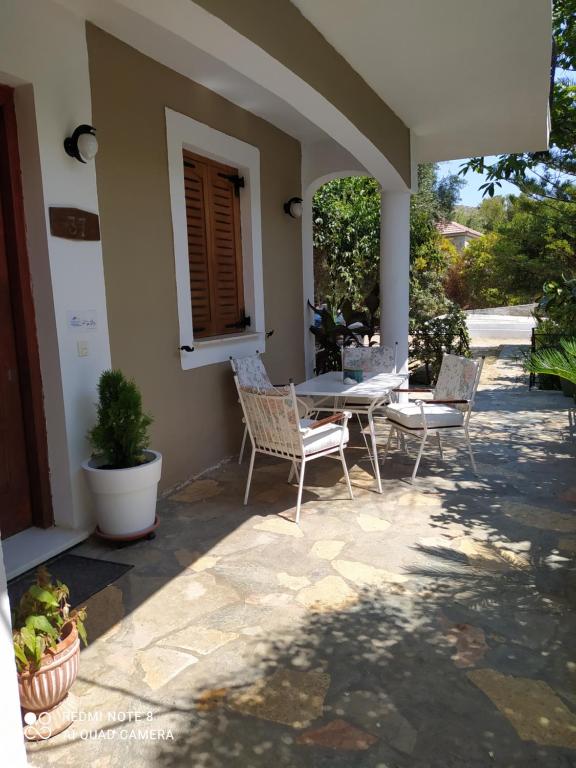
432	626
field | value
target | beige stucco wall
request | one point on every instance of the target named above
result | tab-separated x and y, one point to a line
279	28
197	419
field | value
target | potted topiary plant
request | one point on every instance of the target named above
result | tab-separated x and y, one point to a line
45	634
123	473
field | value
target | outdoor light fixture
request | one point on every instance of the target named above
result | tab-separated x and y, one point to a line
294	207
83	144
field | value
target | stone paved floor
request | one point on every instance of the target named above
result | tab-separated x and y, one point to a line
432	626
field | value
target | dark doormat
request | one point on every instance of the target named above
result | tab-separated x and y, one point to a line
84	576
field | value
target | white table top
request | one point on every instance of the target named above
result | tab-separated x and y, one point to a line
332	385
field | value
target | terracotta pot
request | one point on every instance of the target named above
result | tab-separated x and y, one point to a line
44	688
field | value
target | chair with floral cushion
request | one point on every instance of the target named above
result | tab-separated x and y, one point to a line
370	360
251	372
276	429
448	410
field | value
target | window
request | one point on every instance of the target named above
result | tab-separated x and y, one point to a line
212	192
217	242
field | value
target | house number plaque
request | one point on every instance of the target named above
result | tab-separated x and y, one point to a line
74	224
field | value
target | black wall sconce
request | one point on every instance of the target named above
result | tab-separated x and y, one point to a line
293	207
83	144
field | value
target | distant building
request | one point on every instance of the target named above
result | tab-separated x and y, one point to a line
459	235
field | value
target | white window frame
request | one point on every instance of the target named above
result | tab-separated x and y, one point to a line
183	132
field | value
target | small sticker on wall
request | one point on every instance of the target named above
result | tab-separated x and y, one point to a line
82	320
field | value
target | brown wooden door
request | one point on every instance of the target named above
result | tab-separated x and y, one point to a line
24	478
15	501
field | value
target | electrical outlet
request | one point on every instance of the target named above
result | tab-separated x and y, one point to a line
82	348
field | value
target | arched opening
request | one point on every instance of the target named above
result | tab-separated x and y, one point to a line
309	283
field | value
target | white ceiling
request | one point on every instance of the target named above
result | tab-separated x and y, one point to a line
468	77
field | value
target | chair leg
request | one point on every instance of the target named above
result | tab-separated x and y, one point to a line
293	471
249	476
375	454
404	444
346	475
300	487
472	460
368	451
440	446
243	445
420	452
389	441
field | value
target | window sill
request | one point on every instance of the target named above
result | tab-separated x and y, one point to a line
219	349
205	341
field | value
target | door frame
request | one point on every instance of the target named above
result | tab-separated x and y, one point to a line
24	320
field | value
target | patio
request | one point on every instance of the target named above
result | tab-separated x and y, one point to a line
431	626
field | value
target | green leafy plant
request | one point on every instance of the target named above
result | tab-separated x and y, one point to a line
40	619
558	305
120	435
555	362
433	339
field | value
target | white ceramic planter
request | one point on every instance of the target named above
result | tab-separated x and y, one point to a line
124	499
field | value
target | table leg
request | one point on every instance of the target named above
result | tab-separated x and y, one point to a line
375	453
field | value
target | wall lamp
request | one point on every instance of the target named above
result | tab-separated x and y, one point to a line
83	144
293	207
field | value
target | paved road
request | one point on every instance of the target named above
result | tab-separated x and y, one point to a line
501	327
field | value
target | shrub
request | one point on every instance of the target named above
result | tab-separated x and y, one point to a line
120	435
447	334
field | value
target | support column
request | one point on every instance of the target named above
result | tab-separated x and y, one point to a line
395	273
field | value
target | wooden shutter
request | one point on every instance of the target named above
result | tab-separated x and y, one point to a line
214	247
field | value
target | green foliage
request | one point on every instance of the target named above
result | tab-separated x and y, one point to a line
39	620
486	217
346	216
558	305
439	336
428	258
347	241
120	435
555	362
534	243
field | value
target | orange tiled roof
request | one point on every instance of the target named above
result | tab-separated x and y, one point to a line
448	228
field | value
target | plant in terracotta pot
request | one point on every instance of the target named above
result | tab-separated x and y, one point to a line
123	473
46	636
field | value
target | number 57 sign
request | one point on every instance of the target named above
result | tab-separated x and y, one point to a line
74	224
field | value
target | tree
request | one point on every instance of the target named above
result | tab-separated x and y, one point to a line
434	202
346	216
486	217
532	244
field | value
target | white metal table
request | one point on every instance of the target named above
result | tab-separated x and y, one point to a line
364	397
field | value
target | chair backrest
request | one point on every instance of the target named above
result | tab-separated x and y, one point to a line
369	360
458	378
272	419
251	372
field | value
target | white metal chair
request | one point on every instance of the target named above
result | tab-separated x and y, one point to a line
251	372
448	411
371	361
276	429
